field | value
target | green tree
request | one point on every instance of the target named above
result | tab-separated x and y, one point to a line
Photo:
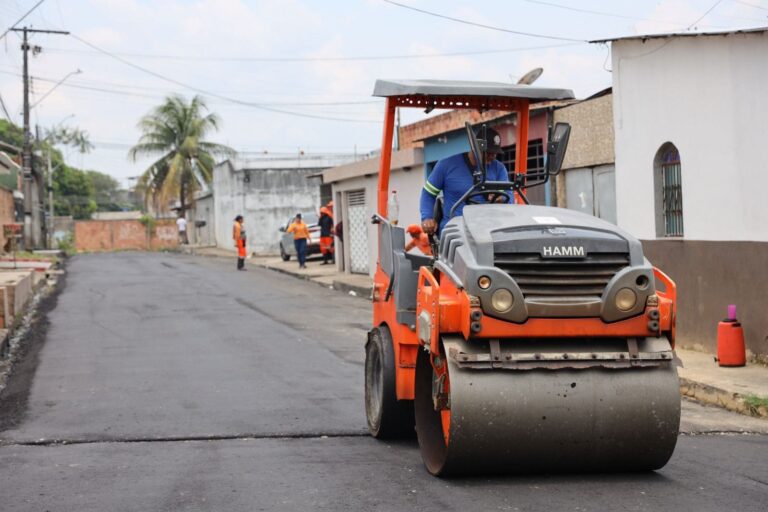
73	193
175	132
106	190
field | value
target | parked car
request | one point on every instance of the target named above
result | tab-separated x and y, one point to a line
286	239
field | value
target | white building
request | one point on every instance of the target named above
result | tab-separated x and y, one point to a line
691	124
266	191
355	202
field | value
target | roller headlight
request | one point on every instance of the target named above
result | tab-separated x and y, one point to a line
625	299
484	282
502	300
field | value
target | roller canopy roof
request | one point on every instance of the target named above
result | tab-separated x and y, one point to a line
385	88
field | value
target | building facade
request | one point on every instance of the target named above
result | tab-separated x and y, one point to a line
587	179
354	188
266	191
690	116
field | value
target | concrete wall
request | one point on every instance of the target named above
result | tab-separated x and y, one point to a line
266	198
710	276
706	95
204	210
118	235
591	140
63	228
408	185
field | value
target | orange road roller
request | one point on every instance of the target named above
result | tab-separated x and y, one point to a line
535	339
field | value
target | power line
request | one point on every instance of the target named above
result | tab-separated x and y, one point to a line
215	95
5	110
751	5
161	96
489	27
607	14
705	14
195	58
21	19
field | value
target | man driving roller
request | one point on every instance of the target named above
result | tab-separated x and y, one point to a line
453	177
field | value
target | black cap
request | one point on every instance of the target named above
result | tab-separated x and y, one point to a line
298	215
493	139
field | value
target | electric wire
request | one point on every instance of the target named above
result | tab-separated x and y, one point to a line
705	14
21	19
215	95
632	18
481	25
751	5
195	58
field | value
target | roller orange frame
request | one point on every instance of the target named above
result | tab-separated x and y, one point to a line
449	305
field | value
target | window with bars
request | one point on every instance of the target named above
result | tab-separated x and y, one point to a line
669	192
535	157
536	171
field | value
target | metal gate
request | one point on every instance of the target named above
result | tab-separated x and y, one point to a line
357	233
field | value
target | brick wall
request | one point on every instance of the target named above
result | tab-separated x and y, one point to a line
7	212
411	135
118	235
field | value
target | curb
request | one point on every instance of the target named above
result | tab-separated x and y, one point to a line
711	395
361	291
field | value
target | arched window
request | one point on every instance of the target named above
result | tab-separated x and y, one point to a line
668	185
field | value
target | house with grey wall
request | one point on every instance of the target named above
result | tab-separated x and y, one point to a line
266	191
587	180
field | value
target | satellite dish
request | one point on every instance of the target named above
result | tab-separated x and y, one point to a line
530	76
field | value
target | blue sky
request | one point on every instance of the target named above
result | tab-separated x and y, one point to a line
223	47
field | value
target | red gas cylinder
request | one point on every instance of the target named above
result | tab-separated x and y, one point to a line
730	341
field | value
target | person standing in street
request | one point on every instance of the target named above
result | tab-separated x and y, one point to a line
181	224
326	234
300	237
238	234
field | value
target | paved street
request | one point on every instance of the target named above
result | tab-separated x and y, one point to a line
171	382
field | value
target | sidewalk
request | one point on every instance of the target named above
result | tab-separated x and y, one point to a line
326	275
743	390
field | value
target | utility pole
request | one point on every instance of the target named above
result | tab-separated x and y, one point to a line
50	202
31	230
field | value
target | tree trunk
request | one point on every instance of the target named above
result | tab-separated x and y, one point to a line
183	197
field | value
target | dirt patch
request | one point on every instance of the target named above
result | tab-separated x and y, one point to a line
18	369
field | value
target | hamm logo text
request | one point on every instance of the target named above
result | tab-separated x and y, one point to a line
572	251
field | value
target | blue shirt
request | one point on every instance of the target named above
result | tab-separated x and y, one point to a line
453	177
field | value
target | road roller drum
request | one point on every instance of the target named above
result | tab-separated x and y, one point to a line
546	418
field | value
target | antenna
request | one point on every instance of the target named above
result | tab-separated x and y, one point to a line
531	76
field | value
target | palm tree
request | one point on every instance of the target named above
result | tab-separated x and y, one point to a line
175	131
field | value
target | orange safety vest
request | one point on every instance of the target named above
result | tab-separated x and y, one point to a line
299	229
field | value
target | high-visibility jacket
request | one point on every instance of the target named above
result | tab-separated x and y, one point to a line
299	229
238	232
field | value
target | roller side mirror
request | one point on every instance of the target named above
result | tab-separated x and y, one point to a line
556	147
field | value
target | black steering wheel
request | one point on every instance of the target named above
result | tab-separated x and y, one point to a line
490	196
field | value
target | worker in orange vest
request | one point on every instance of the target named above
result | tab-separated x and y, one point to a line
238	235
300	239
419	239
326	234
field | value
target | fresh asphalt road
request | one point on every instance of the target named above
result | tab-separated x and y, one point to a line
170	382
